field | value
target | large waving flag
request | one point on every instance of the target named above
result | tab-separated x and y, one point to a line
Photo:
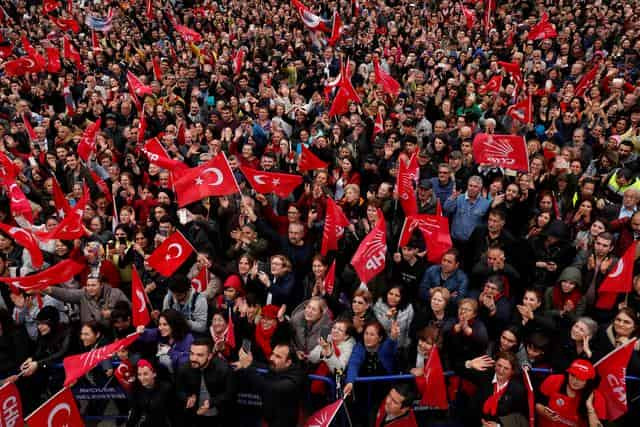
281	184
388	83
370	258
309	19
612	370
214	178
334	223
100	24
59	273
25	239
618	281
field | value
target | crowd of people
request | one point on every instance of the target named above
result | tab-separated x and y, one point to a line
517	289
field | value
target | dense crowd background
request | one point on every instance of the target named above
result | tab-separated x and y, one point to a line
530	248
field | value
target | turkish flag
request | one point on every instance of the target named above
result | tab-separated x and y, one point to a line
104	188
171	254
432	384
213	178
139	306
585	82
324	416
21	66
8	170
309	19
309	161
19	203
514	70
336	29
346	93
136	87
330	279
71	53
522	111
618	281
389	84
87	144
11	414
282	184
542	30
25	239
157	70
435	231
79	364
189	35
149	9
49	6
59	273
201	281
157	155
66	24
32	53
378	126
507	151
334	223
125	373
53	60
612	369
238	61
493	85
370	258
59	411
406	193
530	397
27	125
469	17
181	136
70	228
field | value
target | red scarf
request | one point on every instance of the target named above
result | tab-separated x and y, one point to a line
560	298
490	406
263	338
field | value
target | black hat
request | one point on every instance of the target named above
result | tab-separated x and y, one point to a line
425	184
49	315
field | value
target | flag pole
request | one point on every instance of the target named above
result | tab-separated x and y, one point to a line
401	232
615	350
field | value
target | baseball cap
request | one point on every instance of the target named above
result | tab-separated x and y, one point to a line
582	370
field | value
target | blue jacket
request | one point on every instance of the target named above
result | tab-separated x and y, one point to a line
442	192
465	216
179	351
386	355
458	281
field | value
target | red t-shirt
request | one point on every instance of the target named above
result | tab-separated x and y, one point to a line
566	407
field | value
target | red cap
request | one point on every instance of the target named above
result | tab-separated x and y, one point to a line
234	282
270	311
143	363
582	370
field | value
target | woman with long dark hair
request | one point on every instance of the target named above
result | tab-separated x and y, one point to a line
172	338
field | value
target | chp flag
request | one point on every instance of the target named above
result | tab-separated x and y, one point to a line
370	258
171	254
612	369
59	411
435	231
506	151
10	406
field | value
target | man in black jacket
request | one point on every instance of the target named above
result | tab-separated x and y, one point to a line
280	388
205	386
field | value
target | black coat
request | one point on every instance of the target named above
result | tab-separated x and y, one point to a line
514	399
151	407
218	378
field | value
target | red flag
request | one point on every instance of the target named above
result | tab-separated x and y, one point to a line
618	281
309	161
336	29
157	155
62	204
136	87
59	411
238	61
95	42
25	239
522	111
125	374
71	53
201	281
406	193
378	126
11	414
334	223
493	85
32	53
142	126
369	260
389	84
149	9
6	49
8	170
488	11
282	184
59	273
530	397
612	370
330	279
189	35
309	19
324	416
53	60
87	144
29	128
79	364
514	70
181	138
19	203
171	254
346	93
542	30
69	228
213	178
469	17
139	306
508	151
435	231
49	6
104	188
230	339
157	70
433	383
413	168
439	208
586	80
66	24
